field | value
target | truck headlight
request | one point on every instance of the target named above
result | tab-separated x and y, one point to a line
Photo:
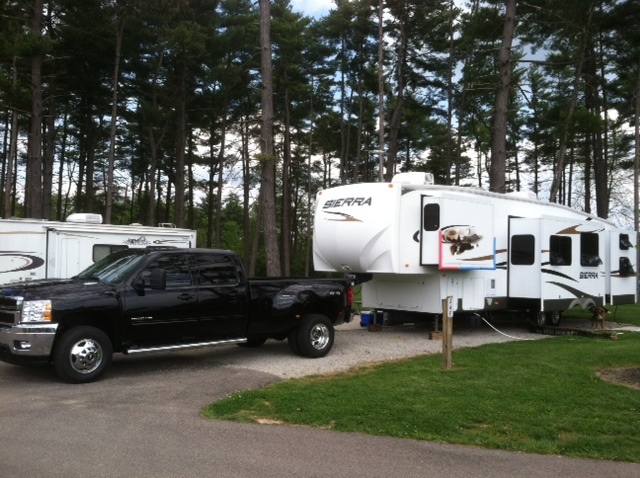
36	311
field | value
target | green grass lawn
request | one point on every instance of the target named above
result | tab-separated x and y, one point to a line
627	314
541	396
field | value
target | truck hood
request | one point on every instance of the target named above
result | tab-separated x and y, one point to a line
54	288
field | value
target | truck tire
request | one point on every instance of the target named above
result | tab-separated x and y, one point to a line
314	337
292	340
82	354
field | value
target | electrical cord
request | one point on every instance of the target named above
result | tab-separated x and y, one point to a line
501	333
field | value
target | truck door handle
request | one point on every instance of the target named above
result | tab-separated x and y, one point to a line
186	296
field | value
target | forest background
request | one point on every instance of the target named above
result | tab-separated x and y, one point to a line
151	111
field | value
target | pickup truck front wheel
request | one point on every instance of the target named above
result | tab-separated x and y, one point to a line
82	354
314	336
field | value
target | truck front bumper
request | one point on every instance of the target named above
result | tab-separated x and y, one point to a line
26	342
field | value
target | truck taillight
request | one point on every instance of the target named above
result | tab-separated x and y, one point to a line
349	295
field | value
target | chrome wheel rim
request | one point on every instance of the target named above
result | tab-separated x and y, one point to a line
320	336
86	356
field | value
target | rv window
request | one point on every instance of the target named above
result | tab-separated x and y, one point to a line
431	217
560	251
589	250
523	250
101	251
625	243
626	268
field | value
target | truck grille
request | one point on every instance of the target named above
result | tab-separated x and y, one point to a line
10	310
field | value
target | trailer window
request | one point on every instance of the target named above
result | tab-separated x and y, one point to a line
560	251
625	243
626	268
431	217
589	249
523	248
101	251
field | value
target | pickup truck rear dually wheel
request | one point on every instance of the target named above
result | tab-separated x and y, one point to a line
82	354
314	337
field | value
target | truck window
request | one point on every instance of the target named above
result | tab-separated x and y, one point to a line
176	266
523	250
216	269
589	249
560	251
103	250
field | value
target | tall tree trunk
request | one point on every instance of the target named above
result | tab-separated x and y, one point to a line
114	120
13	145
499	138
557	176
636	175
381	89
181	138
33	189
396	115
221	155
246	191
268	157
286	187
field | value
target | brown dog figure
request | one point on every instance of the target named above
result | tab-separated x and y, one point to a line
599	316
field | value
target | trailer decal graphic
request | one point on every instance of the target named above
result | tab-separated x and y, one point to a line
343	217
558	274
576	292
30	262
461	238
140	241
361	201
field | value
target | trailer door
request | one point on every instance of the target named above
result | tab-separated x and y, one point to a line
524	276
429	231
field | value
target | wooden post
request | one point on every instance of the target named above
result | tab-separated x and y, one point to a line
447	332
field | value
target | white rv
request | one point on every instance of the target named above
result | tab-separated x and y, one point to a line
415	243
39	249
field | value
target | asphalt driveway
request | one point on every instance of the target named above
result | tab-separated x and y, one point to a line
142	420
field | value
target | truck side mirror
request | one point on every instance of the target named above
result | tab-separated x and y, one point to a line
158	279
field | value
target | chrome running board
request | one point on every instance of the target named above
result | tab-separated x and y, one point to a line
162	348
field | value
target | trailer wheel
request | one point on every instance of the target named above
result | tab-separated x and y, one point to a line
314	337
540	318
82	355
554	318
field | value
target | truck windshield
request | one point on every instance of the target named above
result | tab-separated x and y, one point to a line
113	268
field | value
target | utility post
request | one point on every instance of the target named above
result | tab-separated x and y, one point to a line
447	333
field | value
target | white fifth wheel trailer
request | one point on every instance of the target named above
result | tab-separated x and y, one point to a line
414	244
39	249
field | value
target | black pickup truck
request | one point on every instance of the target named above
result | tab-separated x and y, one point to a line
147	300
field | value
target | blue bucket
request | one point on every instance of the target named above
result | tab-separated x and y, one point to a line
366	318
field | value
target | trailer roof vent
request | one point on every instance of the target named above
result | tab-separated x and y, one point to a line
524	195
414	178
85	217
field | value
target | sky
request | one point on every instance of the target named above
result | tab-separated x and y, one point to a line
312	8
